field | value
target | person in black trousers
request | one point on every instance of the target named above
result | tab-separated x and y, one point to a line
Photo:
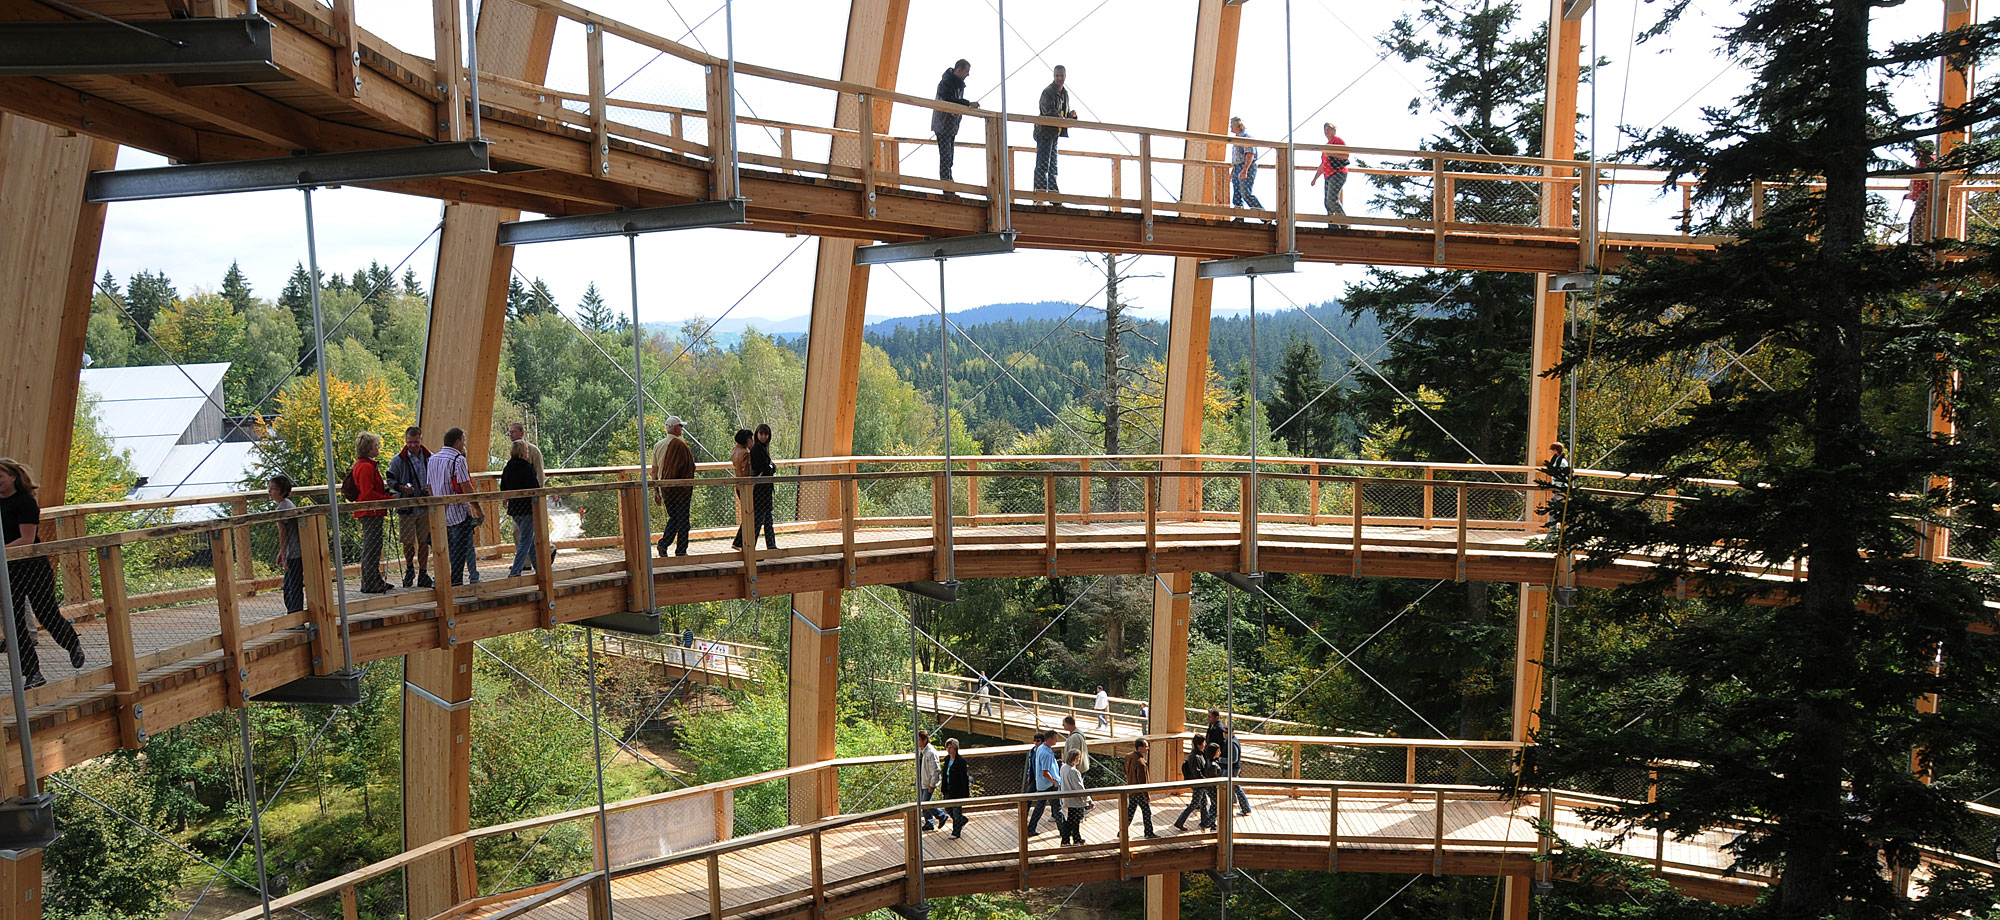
761	465
944	125
956	784
33	580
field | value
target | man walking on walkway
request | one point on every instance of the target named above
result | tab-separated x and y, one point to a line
1136	775
1242	171
927	779
1054	104
450	475
672	460
944	124
957	781
1103	707
1046	780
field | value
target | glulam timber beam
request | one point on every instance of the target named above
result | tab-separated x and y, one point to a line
461	367
48	252
1545	393
872	57
1210	87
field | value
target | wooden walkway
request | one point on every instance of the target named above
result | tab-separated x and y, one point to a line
862	865
178	649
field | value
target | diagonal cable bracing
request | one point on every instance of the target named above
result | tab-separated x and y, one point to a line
296	365
1371	678
270	802
705	332
1378	375
1353	366
1356	650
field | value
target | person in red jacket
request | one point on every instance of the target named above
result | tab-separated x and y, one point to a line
369	487
1332	168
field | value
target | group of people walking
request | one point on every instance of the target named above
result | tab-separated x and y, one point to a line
1054	770
673	466
1054	103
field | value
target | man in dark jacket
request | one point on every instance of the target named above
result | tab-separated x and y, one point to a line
1195	767
1054	104
408	478
951	88
673	461
956	783
1136	775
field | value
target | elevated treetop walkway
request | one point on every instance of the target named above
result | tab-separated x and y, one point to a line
722	850
565	147
177	621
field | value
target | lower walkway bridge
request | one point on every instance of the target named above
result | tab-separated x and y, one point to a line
182	619
721	850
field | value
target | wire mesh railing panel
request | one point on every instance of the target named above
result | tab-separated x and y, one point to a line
509	861
765	806
1511	201
1389	499
1354	763
866	787
1463	766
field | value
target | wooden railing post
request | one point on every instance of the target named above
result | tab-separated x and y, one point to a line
1464	531
940	525
850	500
1124	836
1312	494
785	149
1410	764
320	611
1437	836
235	673
913	864
1333	829
720	181
1246	522
1083	489
1049	519
1021	847
447	608
868	155
997	193
1287	208
545	567
746	527
972	489
1152	493
1440	208
1430	486
245	573
489	514
1146	188
1358	506
818	875
637	542
714	886
448	69
600	135
124	658
350	903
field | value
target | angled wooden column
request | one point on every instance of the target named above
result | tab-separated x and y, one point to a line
48	254
468	313
1545	394
833	368
1210	86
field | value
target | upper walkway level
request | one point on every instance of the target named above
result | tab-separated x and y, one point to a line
569	146
722	850
181	619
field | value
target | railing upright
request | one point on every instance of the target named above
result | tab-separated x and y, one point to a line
638	544
447	607
1358	506
1464	531
1049	519
124	657
245	574
235	671
1146	188
600	135
321	612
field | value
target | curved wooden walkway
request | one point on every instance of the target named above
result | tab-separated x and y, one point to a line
159	658
560	148
700	852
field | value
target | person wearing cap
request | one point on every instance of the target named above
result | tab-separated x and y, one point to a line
672	460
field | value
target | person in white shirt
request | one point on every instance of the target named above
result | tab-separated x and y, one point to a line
927	779
1103	707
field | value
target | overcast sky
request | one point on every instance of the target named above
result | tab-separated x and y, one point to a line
1127	61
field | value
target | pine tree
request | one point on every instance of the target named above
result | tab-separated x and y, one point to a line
296	299
146	294
517	298
1303	413
236	288
1804	713
540	299
411	286
594	313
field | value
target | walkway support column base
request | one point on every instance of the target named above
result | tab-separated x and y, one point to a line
1163	897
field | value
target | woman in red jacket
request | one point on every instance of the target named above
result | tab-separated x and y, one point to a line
369	487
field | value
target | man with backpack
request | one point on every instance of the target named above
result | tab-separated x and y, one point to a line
1200	800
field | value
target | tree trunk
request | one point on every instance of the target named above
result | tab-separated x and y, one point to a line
1114	312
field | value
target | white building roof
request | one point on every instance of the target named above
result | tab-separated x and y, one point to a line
145	411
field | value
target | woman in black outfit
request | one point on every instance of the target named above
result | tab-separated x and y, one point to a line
33	580
761	465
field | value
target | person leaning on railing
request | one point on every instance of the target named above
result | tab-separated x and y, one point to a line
33	580
369	486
